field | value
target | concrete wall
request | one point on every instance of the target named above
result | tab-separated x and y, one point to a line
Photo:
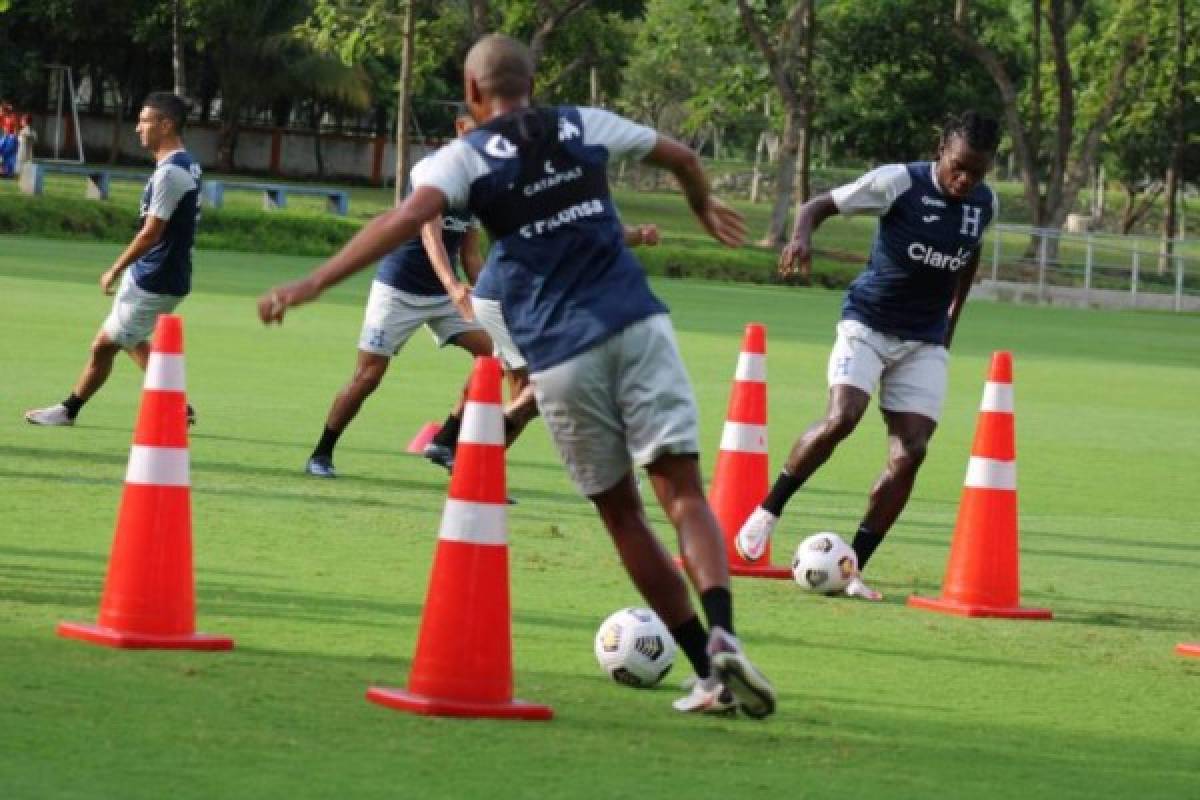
267	151
1073	297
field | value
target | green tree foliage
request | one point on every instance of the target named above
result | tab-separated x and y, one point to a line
878	66
687	75
260	57
1139	142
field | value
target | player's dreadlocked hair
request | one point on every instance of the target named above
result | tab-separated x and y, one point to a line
980	132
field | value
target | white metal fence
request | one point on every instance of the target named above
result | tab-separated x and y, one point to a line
1094	270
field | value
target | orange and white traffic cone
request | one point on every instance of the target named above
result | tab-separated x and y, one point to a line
1186	649
149	595
463	662
740	479
423	436
983	572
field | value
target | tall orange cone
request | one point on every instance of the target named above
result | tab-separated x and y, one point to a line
740	479
1188	650
149	595
463	663
983	572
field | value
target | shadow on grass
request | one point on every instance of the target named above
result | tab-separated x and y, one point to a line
1109	558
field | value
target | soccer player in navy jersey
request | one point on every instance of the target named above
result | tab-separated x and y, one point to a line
898	320
484	303
602	355
408	291
158	260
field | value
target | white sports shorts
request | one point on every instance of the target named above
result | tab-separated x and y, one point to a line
911	375
627	401
135	312
393	315
490	316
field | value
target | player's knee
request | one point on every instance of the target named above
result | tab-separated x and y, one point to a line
909	453
104	348
367	379
840	423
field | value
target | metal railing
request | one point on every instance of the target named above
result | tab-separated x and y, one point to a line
1094	269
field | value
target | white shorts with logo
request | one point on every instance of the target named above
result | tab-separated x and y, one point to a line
393	315
135	312
911	375
490	316
625	401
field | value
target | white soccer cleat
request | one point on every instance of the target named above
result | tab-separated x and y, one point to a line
856	588
320	467
754	694
751	541
706	697
54	415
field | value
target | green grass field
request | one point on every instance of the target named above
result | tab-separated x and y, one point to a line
322	583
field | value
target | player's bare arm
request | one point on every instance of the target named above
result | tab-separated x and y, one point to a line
471	253
377	238
439	259
150	234
722	222
797	253
966	279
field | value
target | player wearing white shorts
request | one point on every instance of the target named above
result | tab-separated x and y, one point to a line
897	322
484	306
158	260
601	353
407	293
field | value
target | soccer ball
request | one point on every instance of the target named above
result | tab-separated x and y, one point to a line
635	648
824	563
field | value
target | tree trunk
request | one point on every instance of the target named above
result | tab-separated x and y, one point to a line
1136	209
402	111
114	147
177	49
1170	228
479	18
756	176
227	140
555	16
318	152
788	150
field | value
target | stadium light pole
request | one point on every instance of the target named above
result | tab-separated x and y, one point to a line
402	113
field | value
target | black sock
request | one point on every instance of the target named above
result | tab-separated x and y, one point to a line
693	641
329	438
448	435
864	545
718	608
73	404
785	486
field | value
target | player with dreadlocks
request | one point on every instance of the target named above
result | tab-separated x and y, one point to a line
898	320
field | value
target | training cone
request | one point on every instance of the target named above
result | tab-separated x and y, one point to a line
983	572
149	595
1185	649
424	436
463	662
740	479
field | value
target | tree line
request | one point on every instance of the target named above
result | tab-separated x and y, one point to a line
1078	84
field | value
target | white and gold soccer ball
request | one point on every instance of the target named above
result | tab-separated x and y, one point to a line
824	563
635	648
